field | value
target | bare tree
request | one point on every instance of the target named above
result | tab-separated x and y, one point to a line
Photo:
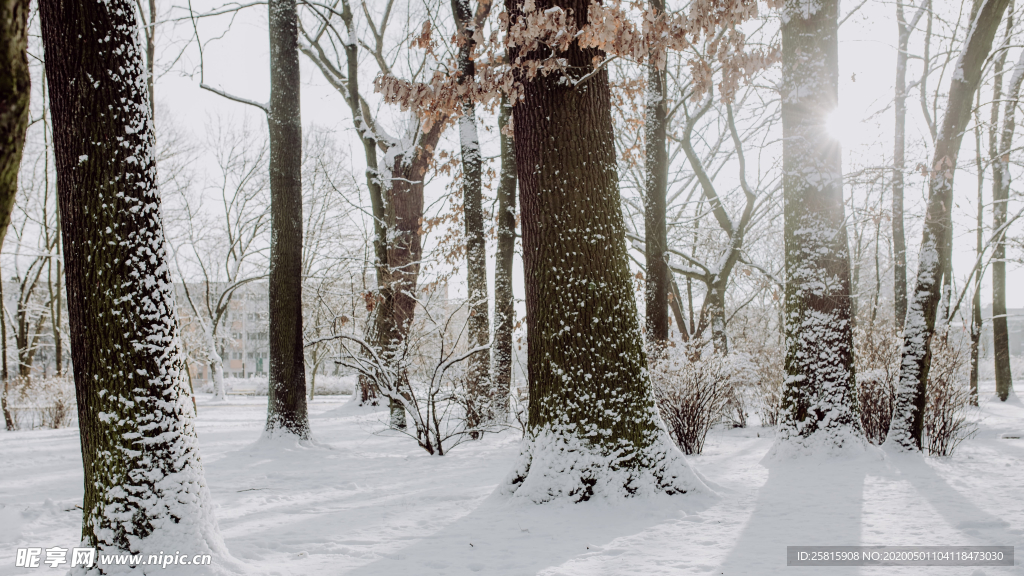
1000	159
504	298
899	240
223	249
478	386
396	188
908	418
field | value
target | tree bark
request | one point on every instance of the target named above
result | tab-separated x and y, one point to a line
655	192
504	298
286	405
1000	199
404	175
899	240
15	89
976	320
151	57
144	485
819	397
8	418
593	426
478	386
908	416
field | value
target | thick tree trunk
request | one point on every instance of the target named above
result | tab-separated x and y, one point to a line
908	416
15	88
1000	198
819	399
655	192
593	427
144	486
478	386
504	299
286	405
405	173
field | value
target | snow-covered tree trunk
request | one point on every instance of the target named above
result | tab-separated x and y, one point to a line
908	416
593	427
144	486
404	173
1000	199
504	299
15	87
656	165
819	401
216	367
478	385
286	405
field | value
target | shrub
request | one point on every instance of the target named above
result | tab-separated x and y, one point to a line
692	391
947	412
55	402
769	375
877	353
876	395
41	402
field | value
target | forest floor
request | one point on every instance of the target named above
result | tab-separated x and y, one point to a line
370	502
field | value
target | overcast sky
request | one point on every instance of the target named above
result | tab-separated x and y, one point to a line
238	63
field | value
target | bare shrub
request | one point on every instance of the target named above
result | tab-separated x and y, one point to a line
692	390
769	375
877	354
876	395
41	403
55	402
422	377
947	420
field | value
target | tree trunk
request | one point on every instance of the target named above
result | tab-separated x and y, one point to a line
908	416
976	320
404	174
1000	198
819	399
144	485
368	393
593	427
57	309
15	88
151	57
8	418
655	191
899	239
216	368
286	405
504	298
478	386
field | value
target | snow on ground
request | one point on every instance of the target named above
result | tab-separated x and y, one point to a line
368	502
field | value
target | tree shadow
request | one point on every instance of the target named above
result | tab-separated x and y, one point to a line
958	511
805	502
505	536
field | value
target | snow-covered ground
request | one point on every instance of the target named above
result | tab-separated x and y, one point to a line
369	502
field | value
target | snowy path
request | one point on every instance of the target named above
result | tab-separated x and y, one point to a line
371	503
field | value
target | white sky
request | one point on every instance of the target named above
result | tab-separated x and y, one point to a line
238	64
